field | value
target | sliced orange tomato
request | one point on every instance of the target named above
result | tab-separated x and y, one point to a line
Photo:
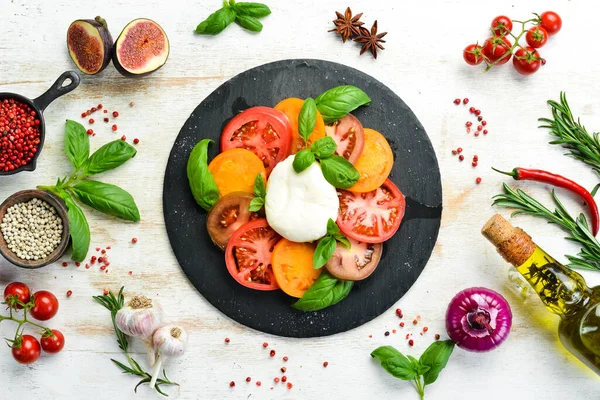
291	108
374	164
235	170
292	264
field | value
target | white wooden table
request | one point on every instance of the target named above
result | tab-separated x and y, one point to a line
423	64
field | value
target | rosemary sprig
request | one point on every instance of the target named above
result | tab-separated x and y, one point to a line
572	135
578	230
113	304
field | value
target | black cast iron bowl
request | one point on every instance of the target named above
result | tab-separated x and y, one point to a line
39	105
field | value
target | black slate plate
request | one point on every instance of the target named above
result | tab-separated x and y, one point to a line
415	172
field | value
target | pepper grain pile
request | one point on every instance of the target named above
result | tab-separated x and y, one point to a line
19	134
32	230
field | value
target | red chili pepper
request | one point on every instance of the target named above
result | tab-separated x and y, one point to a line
537	175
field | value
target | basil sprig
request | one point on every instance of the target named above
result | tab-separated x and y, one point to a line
245	14
328	243
324	292
106	198
260	192
339	101
423	371
202	184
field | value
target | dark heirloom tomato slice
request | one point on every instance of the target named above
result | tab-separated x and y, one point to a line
248	255
264	131
230	213
354	263
349	136
371	217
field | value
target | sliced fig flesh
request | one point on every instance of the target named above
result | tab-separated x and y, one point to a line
142	48
89	43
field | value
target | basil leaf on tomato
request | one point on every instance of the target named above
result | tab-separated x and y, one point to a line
307	119
110	156
77	143
250	23
324	292
256	10
324	147
339	101
323	251
256	204
108	199
80	230
302	160
202	184
216	22
259	186
339	172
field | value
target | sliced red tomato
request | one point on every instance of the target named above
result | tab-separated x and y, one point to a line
349	136
248	255
227	216
264	131
371	217
355	263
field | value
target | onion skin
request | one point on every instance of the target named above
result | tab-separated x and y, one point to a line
482	303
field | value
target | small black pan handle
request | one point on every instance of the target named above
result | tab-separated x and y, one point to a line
57	89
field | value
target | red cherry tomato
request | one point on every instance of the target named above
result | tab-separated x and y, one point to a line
495	48
18	289
28	351
53	343
536	37
473	54
45	305
527	61
501	25
551	22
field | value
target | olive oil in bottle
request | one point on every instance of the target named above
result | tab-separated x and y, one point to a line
562	290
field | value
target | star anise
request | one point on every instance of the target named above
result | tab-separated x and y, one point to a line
371	40
346	25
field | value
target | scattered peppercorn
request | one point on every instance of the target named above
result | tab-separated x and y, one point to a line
105	292
402	324
468	124
227	340
474	163
477	112
283	369
479	118
425	329
437	336
393	331
459	150
90	131
77	264
91	121
134	240
136	141
454	152
258	383
64	264
115	114
415	322
131	104
123	138
99	107
289	385
457	101
285	358
83	115
105	111
411	342
276	380
485	131
387	333
272	353
232	384
265	344
325	364
106	119
69	293
461	157
472	109
248	379
478	180
465	100
114	127
284	378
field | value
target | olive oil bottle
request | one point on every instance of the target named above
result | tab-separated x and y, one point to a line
562	290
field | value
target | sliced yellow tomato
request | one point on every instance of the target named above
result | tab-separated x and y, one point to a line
292	264
375	162
291	108
235	170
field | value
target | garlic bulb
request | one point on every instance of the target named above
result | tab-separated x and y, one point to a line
139	317
169	341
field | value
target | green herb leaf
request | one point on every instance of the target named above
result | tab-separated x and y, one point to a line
77	143
386	352
80	230
324	251
256	204
339	172
343	240
332	227
259	186
250	23
216	22
302	160
307	118
337	102
436	357
324	292
256	10
395	363
107	198
324	147
109	156
203	185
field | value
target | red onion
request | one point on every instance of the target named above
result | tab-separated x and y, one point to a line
478	319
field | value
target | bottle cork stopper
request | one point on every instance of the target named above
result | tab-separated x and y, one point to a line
513	244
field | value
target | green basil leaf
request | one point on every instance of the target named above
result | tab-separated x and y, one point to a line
109	156
324	147
259	186
80	230
202	184
324	251
302	160
332	227
249	23
256	10
216	22
307	118
335	103
107	198
324	292
385	352
343	240
400	368
422	369
436	357
339	172
77	143
256	204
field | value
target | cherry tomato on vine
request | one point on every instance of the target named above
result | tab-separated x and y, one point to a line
18	289
527	61
28	350
551	22
495	48
45	305
501	25
536	37
473	54
53	343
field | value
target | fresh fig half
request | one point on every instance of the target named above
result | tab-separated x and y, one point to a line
90	44
142	48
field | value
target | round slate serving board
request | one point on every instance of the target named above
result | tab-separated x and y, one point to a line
415	172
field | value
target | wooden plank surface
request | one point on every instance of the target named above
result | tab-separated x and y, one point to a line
422	63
